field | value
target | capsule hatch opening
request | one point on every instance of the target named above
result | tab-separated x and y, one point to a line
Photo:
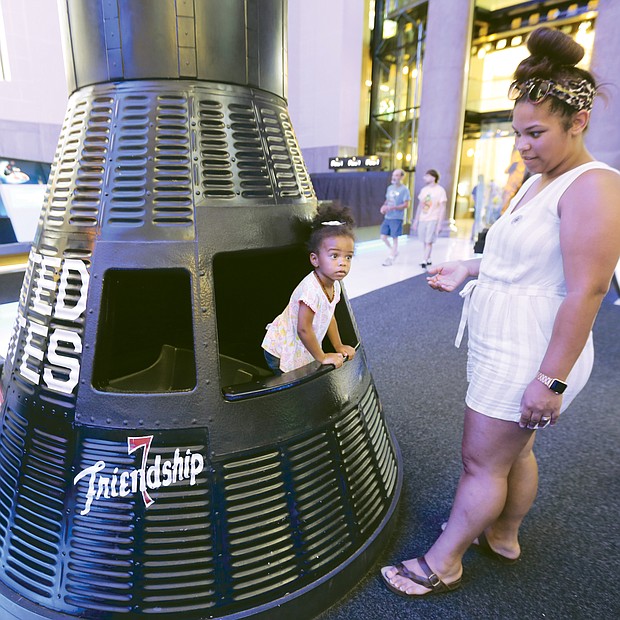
145	339
251	288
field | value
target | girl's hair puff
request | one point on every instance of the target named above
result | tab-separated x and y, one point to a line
331	220
553	56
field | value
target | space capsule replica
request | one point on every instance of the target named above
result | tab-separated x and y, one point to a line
150	465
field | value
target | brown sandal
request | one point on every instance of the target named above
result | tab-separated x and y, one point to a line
430	581
484	547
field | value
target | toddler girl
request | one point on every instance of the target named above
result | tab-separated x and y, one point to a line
294	338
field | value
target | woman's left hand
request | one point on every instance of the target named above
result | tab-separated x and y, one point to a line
448	276
540	407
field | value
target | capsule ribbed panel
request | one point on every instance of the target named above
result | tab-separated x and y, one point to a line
141	157
250	528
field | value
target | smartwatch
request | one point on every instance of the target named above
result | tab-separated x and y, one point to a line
555	385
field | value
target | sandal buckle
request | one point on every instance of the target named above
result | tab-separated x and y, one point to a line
434	580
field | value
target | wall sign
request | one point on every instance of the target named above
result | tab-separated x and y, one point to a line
357	161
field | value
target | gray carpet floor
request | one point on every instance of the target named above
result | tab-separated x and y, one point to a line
570	563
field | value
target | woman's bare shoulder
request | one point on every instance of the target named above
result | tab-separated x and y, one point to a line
595	184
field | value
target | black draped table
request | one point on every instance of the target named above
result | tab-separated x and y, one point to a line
362	192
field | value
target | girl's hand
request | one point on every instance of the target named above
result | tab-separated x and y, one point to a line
337	359
447	276
539	406
348	353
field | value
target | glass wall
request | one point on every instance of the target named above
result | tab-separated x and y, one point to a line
493	63
491	172
396	83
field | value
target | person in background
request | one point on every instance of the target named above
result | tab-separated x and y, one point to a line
493	203
547	265
295	337
430	213
397	198
517	175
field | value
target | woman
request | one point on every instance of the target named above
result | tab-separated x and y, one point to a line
547	265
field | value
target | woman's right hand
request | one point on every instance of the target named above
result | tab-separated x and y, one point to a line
539	404
447	276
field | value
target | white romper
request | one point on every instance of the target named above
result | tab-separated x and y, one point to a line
511	308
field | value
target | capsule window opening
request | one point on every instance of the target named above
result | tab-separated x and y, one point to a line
145	339
251	288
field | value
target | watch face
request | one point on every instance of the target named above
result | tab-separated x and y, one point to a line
558	386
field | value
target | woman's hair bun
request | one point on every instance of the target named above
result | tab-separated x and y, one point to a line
554	56
557	47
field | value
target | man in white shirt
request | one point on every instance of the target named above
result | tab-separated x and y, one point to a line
431	211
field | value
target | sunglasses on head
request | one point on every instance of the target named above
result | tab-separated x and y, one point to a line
536	91
578	94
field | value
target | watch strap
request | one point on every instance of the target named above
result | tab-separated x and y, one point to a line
555	385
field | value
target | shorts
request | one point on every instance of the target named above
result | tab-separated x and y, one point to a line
427	231
273	362
392	228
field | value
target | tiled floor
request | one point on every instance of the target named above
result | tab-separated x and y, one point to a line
368	273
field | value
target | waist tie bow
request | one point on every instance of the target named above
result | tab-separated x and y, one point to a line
466	295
